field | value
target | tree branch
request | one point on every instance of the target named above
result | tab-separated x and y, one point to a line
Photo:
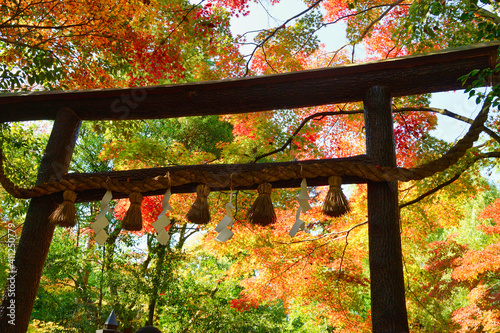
346	232
321	115
451	180
315	116
182	21
432	191
275	31
486	14
297	262
45	27
372	23
10	231
450	114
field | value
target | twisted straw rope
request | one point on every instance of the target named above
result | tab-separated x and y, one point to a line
249	178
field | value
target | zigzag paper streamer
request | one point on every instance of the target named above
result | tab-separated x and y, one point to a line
227	221
303	197
298	225
303	200
163	221
224	235
101	237
101	220
222	228
163	237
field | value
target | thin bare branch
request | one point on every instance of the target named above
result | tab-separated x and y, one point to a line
275	31
344	233
315	116
296	262
344	17
345	249
267	62
451	180
432	191
321	115
44	27
19	226
450	114
181	21
372	23
484	13
336	53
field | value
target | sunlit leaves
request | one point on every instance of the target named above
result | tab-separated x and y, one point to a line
112	44
95	44
287	48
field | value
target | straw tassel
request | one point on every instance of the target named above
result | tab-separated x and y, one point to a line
133	219
336	203
64	215
262	210
199	212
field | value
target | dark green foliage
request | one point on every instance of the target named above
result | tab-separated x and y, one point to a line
200	133
42	70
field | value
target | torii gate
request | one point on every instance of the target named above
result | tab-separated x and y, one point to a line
374	83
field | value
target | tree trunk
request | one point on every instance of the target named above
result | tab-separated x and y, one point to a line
388	303
21	289
160	250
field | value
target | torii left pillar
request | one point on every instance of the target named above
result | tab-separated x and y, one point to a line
34	243
388	303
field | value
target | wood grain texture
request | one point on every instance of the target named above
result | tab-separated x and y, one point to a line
37	231
386	268
416	74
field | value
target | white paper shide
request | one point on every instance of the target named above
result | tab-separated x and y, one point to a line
226	222
163	221
303	200
101	220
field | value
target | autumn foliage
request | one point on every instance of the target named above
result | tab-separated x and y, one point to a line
320	278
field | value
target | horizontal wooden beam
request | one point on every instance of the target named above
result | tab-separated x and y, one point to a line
97	194
416	74
219	177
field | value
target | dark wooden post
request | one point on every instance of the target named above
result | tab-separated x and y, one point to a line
34	243
386	268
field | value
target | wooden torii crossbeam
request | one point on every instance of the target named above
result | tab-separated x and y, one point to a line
373	83
411	75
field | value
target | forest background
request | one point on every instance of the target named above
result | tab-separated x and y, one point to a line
261	280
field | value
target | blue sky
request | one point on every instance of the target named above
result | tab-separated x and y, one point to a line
263	15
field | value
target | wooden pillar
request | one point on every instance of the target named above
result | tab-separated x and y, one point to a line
19	294
388	304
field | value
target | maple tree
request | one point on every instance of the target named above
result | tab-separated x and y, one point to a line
321	278
278	267
98	44
478	269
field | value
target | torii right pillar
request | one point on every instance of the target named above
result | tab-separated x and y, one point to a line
388	304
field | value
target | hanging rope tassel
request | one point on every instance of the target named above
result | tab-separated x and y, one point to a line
64	215
133	219
199	212
262	210
336	203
